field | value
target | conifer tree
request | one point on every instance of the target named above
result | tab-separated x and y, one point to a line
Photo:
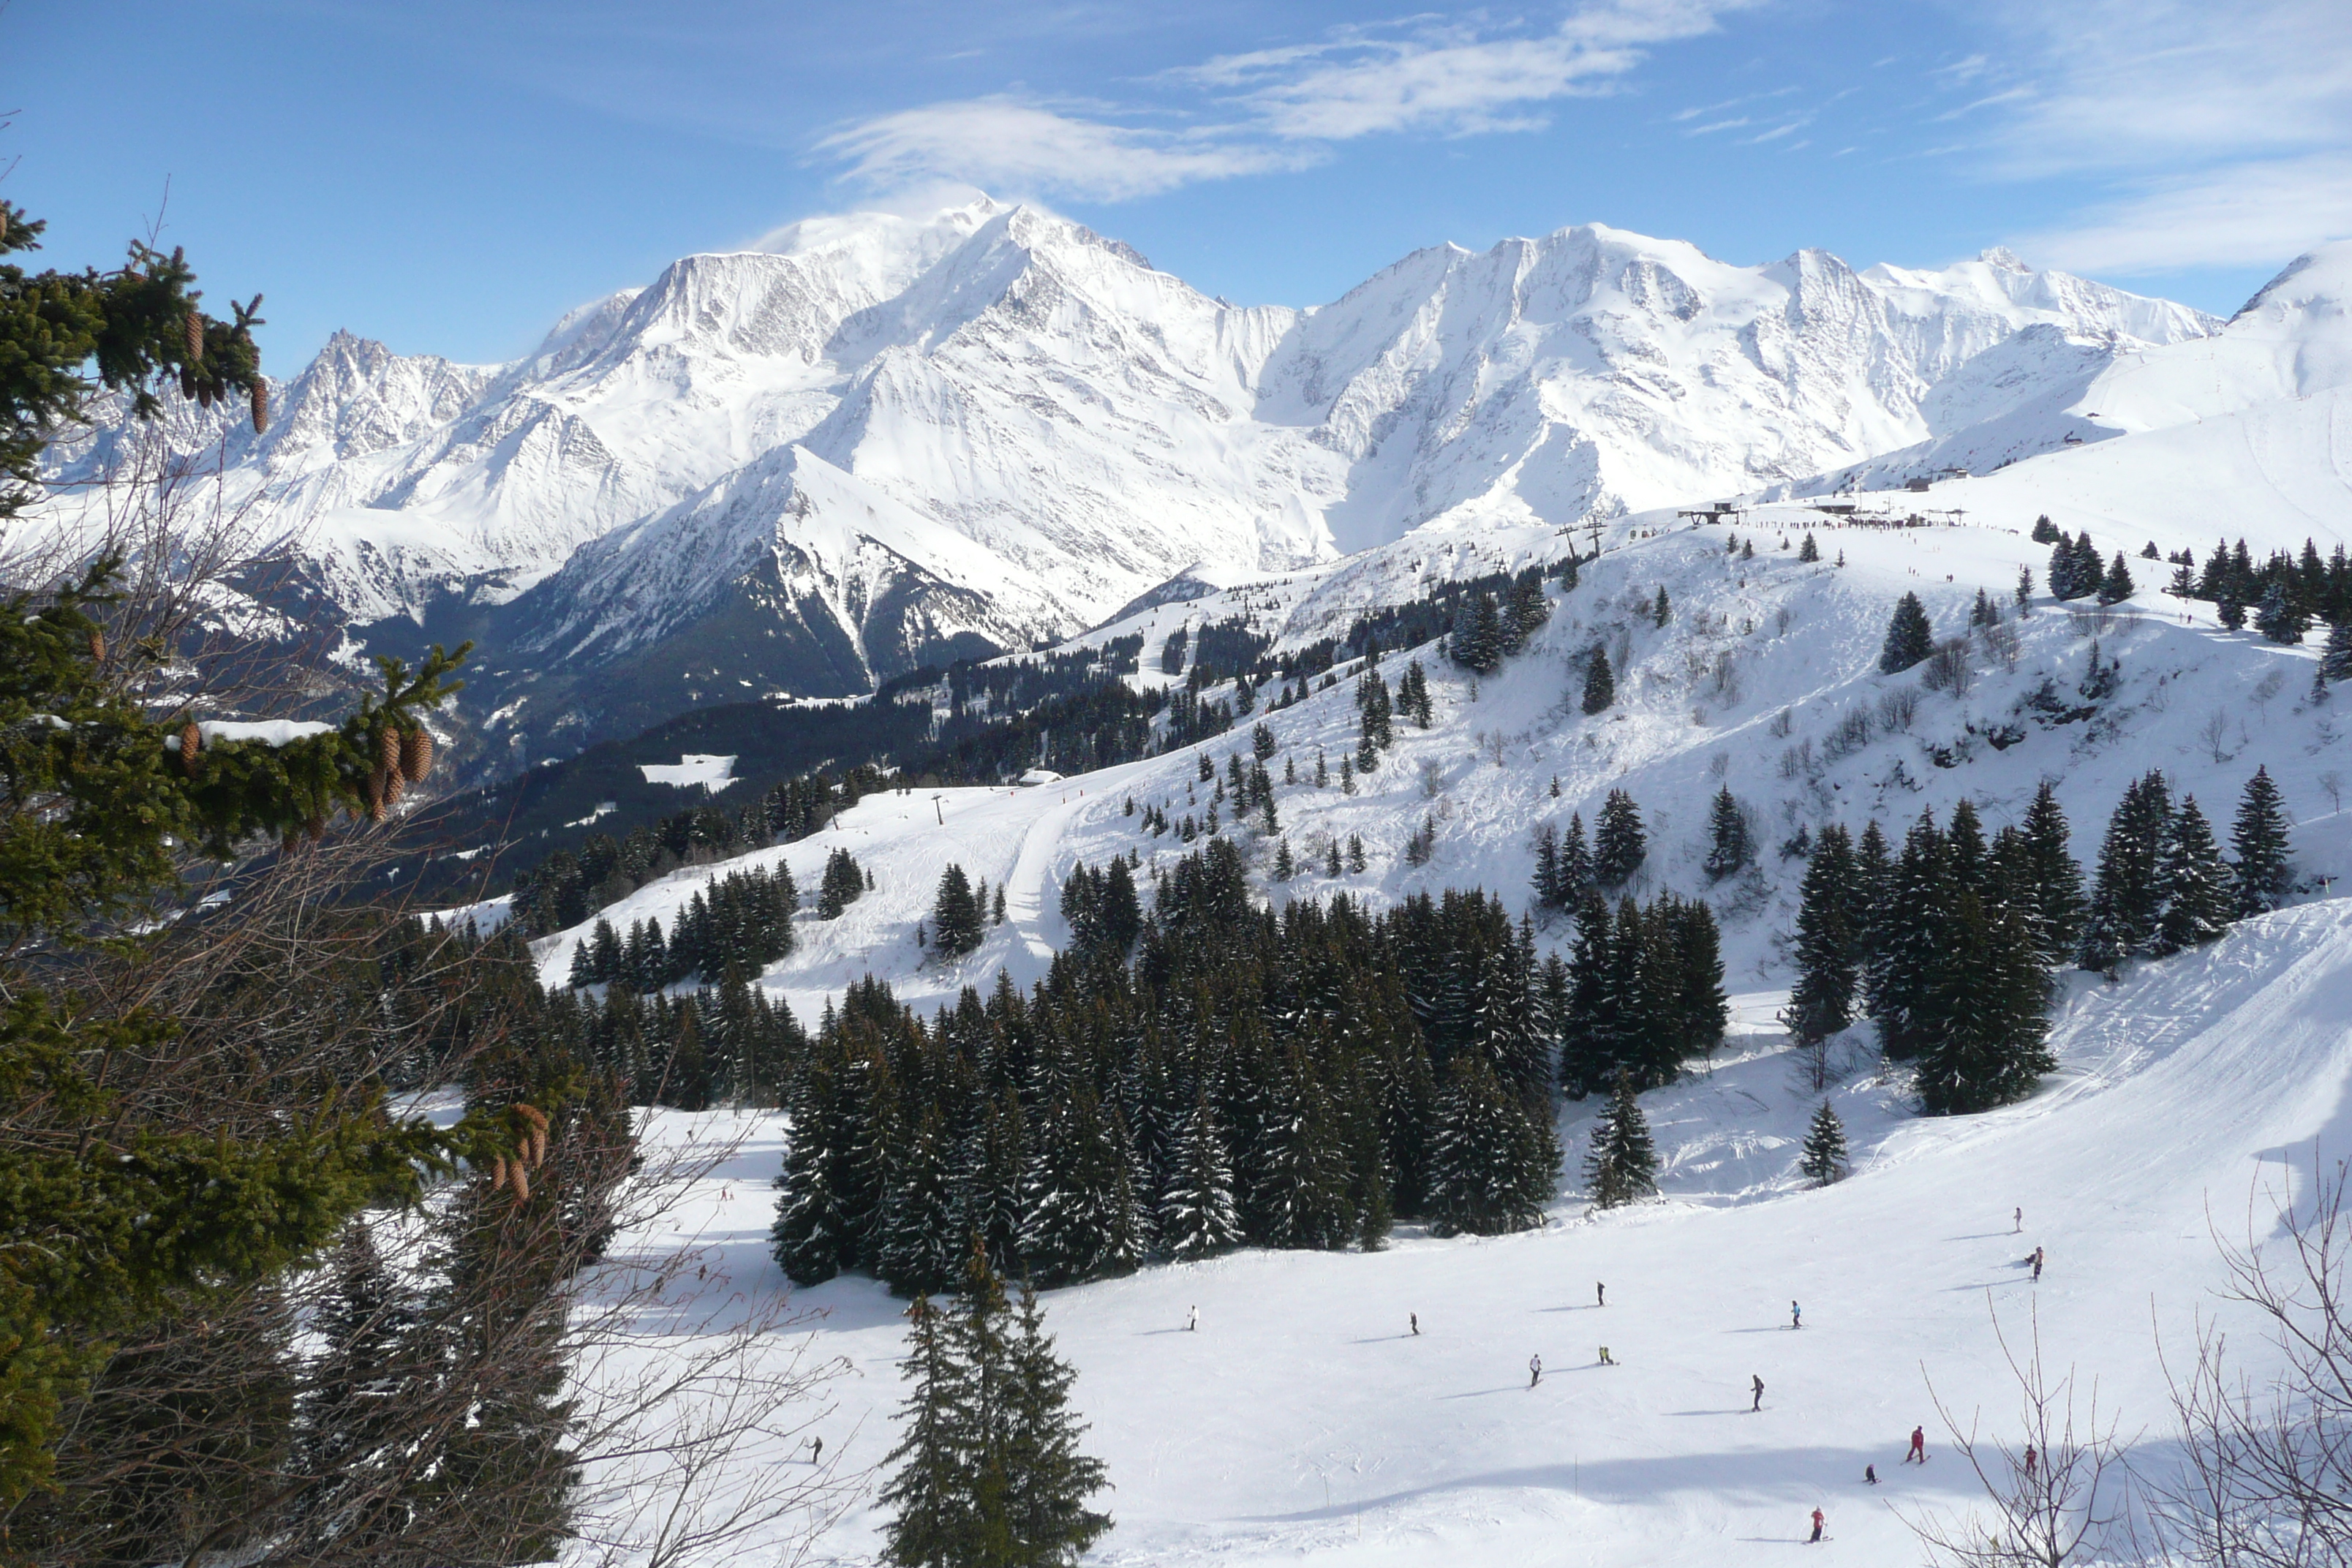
1047	1478
1909	636
956	926
1285	868
1331	859
2057	880
1824	1158
2278	617
1910	942
2116	585
1079	1202
1730	847
1622	1164
1619	845
2259	836
1357	864
1490	1168
2126	896
1990	1044
1575	873
1661	611
1809	552
935	1498
1197	1217
1600	684
2336	659
1821	1003
917	1249
2200	889
810	1232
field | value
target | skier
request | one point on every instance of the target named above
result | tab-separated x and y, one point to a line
1414	1319
2030	1457
1796	1316
1759	1403
2037	1265
1918	1453
816	1450
1870	1474
1604	1357
2020	1217
1193	1321
1818	1523
1600	1294
1534	1370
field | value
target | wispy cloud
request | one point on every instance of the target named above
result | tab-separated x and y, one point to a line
1274	109
1008	144
2218	132
2253	213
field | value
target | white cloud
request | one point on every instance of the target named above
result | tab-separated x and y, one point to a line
2255	213
1009	145
1275	109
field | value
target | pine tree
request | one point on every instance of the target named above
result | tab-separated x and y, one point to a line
2335	657
810	1232
1619	845
1809	552
2057	880
1661	611
2278	617
1285	868
1047	1478
1821	1003
916	1248
1622	1165
1357	864
936	1500
1909	636
956	926
2116	585
1824	1158
1331	859
2044	531
2126	898
1490	1168
1600	684
2199	888
1196	1213
1730	847
2259	836
1990	1046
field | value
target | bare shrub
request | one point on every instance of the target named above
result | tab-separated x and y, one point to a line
1433	777
2333	783
2057	1490
1852	735
2266	1477
1898	707
2215	734
1948	668
1783	723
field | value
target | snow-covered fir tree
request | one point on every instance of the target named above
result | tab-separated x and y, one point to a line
2199	888
1824	1154
2259	839
1909	636
1622	1164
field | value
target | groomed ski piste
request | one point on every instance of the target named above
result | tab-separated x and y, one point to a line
1303	1421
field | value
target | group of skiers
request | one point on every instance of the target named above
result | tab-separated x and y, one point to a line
1916	1454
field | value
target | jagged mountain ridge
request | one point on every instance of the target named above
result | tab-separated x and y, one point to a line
890	439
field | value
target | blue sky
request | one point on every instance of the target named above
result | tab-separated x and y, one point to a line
451	177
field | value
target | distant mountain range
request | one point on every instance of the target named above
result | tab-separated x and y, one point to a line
890	442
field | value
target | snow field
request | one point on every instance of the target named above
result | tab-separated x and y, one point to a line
1303	1422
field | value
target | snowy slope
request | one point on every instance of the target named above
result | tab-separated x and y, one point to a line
1303	1422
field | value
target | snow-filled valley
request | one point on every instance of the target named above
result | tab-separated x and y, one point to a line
1303	1421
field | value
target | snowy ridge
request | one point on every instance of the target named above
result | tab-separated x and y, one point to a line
1094	428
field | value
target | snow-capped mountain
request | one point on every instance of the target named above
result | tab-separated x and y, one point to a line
891	440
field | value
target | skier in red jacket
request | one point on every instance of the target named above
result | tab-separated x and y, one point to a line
1818	1523
1919	1453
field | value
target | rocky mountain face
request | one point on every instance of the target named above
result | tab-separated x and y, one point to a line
892	441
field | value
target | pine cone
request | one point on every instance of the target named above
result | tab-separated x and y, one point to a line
520	1179
260	406
196	337
289	843
192	746
416	757
498	1171
203	395
373	792
98	647
316	828
387	751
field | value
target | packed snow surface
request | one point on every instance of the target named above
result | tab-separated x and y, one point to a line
1303	1421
